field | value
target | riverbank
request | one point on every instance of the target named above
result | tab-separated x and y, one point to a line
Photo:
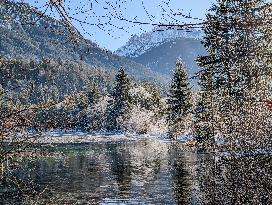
74	136
185	143
81	137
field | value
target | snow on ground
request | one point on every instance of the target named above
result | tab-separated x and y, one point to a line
185	138
79	137
60	137
124	201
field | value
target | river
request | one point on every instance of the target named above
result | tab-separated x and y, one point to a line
141	172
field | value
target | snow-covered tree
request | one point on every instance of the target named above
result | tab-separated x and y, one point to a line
236	41
93	94
146	110
203	128
97	114
120	103
179	102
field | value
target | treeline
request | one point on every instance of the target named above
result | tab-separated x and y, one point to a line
45	79
66	96
28	33
124	108
77	97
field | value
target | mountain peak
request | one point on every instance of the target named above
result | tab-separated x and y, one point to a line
138	45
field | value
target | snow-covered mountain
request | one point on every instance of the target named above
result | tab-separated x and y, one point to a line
138	45
160	50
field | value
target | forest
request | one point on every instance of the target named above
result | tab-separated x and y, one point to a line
95	96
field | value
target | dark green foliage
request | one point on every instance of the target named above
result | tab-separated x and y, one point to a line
203	129
232	39
81	101
203	119
155	96
119	105
179	101
93	94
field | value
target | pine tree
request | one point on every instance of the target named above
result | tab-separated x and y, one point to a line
154	99
120	103
86	100
93	94
179	102
235	39
203	127
233	43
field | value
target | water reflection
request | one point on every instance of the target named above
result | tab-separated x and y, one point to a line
245	180
121	170
145	172
182	181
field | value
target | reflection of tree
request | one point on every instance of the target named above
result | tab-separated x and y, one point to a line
120	167
14	190
239	180
245	180
76	177
205	178
180	176
147	163
147	171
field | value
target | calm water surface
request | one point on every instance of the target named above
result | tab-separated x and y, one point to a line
145	172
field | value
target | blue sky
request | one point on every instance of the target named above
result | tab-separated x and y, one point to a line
115	32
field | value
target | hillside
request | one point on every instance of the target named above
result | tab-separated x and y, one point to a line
24	34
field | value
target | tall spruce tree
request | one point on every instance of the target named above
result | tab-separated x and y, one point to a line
93	94
235	36
179	102
203	120
120	103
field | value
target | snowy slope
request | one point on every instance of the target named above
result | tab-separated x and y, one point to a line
138	45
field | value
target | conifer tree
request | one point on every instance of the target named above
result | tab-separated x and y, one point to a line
233	41
234	38
203	128
93	94
179	102
90	98
120	103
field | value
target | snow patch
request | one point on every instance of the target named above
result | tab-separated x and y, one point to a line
185	138
219	140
